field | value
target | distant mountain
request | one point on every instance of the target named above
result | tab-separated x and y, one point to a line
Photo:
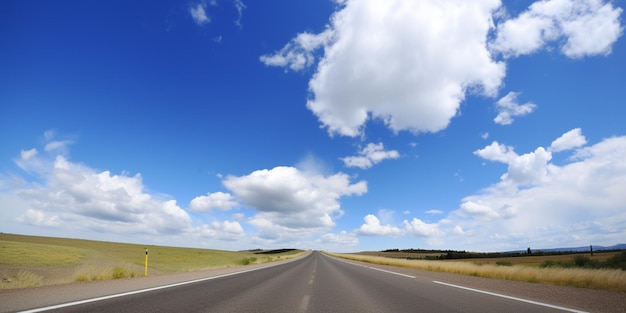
621	246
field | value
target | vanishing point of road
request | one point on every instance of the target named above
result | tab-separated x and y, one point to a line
319	283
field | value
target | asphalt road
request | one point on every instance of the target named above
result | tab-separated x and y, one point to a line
316	283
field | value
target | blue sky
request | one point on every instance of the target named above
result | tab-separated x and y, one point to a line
337	125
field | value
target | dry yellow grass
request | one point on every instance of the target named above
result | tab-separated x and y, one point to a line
607	279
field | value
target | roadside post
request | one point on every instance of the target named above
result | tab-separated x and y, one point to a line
145	269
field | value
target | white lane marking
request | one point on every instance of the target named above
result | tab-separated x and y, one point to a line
63	305
374	268
305	303
509	297
390	272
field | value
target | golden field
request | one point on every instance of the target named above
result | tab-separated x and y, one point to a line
517	268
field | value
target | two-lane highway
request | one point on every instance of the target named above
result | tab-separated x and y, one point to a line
316	283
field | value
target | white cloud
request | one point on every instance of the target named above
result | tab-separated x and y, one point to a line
299	53
372	227
343	239
434	212
532	167
508	107
69	197
403	62
529	168
370	155
217	200
55	146
198	13
39	218
60	146
226	230
419	228
399	61
458	230
497	152
291	203
475	209
570	140
578	27
27	154
415	227
578	203
76	196
523	169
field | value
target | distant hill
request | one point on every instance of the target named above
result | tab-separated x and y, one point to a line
621	246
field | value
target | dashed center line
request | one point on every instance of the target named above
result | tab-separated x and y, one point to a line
305	303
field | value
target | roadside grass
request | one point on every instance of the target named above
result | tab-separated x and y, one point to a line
92	272
532	260
540	260
606	279
36	254
26	279
248	261
86	260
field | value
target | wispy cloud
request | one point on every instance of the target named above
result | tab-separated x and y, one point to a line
198	13
370	155
508	107
240	7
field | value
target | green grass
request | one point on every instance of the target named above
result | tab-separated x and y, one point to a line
47	251
37	254
87	260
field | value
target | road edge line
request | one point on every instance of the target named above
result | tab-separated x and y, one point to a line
371	267
390	272
511	297
73	303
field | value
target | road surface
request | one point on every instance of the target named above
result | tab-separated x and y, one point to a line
316	283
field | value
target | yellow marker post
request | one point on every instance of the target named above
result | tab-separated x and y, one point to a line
145	270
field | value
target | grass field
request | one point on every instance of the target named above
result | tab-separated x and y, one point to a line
517	268
533	260
28	261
